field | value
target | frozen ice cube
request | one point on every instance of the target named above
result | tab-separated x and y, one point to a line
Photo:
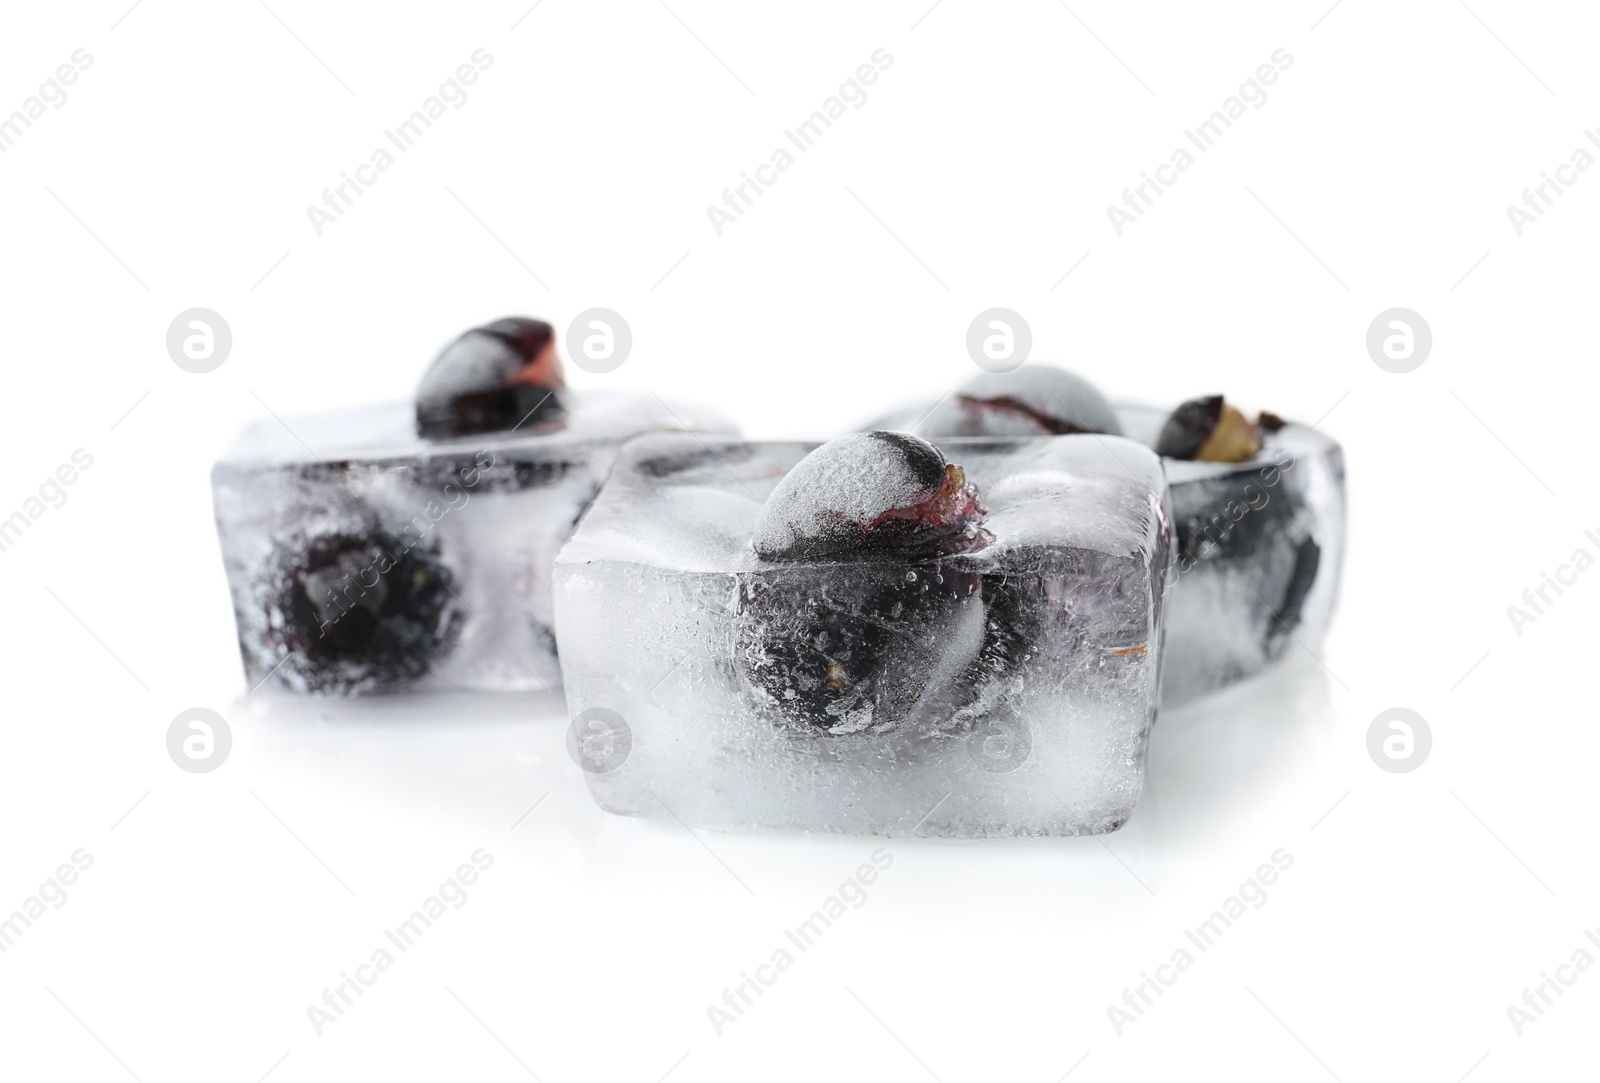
1260	550
1260	543
364	559
1003	684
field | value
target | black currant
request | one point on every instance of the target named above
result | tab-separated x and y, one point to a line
1209	429
494	378
862	605
1035	400
361	612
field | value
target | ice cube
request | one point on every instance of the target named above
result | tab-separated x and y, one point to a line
1260	549
1260	543
363	558
993	681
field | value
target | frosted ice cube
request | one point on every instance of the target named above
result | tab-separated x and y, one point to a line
1006	690
1260	550
1260	543
364	559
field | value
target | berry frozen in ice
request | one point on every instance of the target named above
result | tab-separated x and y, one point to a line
1244	521
861	606
362	612
492	378
1302	577
1270	540
846	649
870	494
840	693
1211	430
1035	400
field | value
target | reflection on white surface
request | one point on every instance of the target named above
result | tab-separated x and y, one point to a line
479	761
1220	757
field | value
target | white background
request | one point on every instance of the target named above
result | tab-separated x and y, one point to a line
218	907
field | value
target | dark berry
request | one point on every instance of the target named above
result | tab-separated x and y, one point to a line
1232	518
362	612
846	649
1302	577
1209	430
862	605
870	494
1035	400
1045	597
493	378
1239	526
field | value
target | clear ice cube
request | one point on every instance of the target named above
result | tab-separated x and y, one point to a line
1003	691
1260	547
364	559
